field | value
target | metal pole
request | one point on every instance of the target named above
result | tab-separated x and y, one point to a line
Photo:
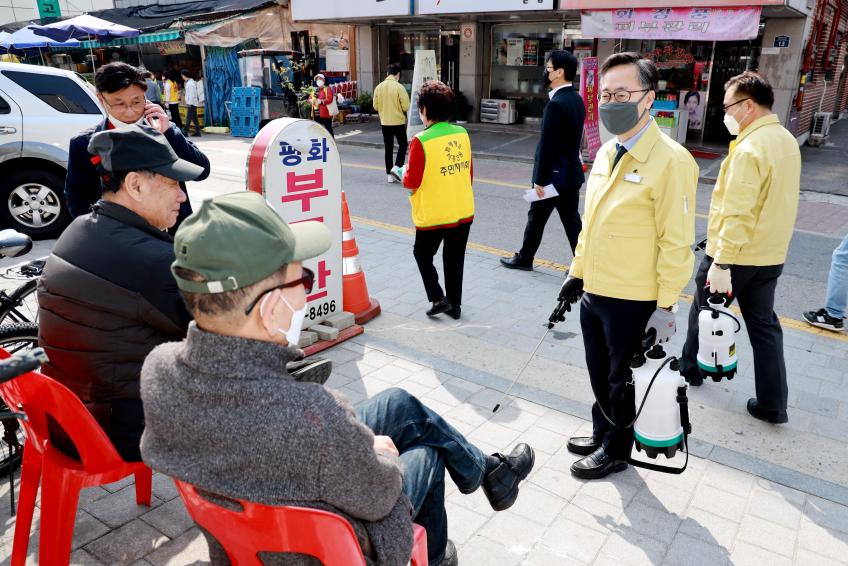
707	98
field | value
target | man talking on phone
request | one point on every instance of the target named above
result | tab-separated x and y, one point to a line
120	90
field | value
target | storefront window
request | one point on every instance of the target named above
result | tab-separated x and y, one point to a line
518	58
402	47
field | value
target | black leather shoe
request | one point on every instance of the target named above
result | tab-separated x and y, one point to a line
582	445
439	307
455	312
451	558
597	465
501	484
517	263
774	417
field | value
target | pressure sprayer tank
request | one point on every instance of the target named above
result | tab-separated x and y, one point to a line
658	429
716	340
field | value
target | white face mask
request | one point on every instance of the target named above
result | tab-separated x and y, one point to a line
319	83
293	333
118	124
732	124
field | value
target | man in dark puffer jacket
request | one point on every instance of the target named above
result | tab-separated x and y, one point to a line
107	296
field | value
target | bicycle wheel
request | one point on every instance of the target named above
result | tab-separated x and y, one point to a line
14	338
23	305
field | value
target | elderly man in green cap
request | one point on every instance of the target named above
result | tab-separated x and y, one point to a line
224	413
107	296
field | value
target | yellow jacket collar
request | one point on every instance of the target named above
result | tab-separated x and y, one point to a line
756	125
642	150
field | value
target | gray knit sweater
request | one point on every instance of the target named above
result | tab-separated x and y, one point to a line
223	414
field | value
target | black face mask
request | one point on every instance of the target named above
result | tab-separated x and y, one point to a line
545	77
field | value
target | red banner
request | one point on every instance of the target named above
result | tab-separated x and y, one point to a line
589	89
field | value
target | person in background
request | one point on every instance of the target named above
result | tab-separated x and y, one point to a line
224	414
153	94
192	100
161	84
439	177
172	99
634	255
201	95
830	317
121	89
752	218
557	161
107	296
320	97
391	102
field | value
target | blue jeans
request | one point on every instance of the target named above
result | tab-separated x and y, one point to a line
837	281
428	446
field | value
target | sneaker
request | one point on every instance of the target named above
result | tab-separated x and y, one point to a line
391	178
821	319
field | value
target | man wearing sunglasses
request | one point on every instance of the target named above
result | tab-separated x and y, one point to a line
223	412
752	217
634	255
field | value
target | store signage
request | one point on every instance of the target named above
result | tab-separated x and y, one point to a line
296	166
467	32
781	41
613	4
709	24
669	57
425	70
305	10
589	89
176	47
465	6
49	9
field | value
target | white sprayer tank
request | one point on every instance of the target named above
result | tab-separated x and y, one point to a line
716	341
658	429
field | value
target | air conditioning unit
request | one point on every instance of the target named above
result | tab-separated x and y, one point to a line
821	128
497	111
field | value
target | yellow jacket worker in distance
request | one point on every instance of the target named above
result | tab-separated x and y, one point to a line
633	257
752	217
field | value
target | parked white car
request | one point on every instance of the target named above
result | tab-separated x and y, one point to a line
41	109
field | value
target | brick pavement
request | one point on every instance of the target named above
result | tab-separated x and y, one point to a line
748	497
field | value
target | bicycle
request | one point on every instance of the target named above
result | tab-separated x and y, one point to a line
21	304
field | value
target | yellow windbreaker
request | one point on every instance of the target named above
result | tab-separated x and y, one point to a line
391	100
639	222
755	201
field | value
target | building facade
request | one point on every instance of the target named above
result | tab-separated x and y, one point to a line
26	10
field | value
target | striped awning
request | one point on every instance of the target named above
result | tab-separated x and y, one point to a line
154	37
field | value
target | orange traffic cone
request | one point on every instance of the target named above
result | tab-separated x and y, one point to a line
354	288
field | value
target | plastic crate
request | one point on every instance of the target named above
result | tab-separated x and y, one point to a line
244	126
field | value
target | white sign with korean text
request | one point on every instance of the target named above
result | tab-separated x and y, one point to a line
304	10
425	70
465	6
295	165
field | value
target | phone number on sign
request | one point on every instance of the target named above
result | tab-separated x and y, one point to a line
323	309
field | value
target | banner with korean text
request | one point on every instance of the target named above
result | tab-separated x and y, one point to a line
296	166
589	89
706	24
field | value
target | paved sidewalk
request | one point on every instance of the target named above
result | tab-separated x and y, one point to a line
753	494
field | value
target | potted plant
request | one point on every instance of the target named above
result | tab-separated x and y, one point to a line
460	108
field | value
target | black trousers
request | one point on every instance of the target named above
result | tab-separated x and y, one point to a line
427	243
566	204
176	119
327	123
612	333
754	288
390	133
191	117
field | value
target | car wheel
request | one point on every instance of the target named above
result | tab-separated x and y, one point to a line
33	202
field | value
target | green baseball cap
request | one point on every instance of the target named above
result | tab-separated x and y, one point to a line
237	239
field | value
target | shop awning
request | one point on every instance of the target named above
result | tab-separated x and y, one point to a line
155	37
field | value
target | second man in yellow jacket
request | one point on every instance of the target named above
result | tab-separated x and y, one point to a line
391	101
752	217
633	257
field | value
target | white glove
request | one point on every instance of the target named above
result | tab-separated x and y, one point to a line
661	326
719	280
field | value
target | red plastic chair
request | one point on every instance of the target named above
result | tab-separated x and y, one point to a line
263	528
62	478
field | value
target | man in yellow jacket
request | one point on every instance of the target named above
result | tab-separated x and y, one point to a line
391	101
633	257
752	216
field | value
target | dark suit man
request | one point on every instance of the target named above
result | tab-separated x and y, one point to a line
557	160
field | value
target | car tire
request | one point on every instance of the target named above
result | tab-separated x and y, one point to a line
50	215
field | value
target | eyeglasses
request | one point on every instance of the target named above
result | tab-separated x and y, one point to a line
308	281
732	104
619	95
122	107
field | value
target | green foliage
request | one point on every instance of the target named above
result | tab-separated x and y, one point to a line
460	107
365	103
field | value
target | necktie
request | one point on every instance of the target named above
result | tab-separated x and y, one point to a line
620	151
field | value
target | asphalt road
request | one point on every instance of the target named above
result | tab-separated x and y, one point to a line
500	213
